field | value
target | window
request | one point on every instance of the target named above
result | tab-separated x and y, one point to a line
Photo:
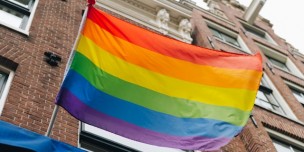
266	99
95	139
284	143
257	32
285	147
298	94
297	91
280	61
269	98
17	14
227	36
3	79
224	37
6	77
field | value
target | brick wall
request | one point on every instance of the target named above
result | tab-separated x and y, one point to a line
255	138
31	97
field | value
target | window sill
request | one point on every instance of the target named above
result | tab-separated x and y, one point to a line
24	32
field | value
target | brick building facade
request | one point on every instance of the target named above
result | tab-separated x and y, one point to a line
29	84
34	85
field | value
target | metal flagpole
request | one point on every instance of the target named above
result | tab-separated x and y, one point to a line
56	108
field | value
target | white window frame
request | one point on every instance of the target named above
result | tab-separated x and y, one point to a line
7	86
282	58
250	29
284	138
29	21
124	141
283	104
295	87
243	47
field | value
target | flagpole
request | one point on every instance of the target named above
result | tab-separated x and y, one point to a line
56	108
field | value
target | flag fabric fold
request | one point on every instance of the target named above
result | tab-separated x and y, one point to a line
156	90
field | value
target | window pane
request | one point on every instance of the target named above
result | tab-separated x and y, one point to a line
285	147
297	150
10	17
278	63
299	95
3	78
127	142
262	100
281	147
216	33
24	3
230	40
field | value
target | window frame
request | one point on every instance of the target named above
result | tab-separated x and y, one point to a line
7	86
223	37
28	13
257	32
242	46
287	112
271	100
296	88
272	53
274	62
285	139
113	141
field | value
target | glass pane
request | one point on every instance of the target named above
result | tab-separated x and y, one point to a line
300	98
299	95
230	40
281	147
297	150
262	96
3	78
262	100
216	33
10	17
278	63
24	3
127	142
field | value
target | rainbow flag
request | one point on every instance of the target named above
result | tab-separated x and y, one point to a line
157	90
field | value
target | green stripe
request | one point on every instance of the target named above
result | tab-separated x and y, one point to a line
152	100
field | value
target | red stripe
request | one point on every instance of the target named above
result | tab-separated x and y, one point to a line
173	48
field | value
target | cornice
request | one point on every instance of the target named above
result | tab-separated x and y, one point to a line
171	21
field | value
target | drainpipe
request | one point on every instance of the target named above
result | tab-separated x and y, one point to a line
253	10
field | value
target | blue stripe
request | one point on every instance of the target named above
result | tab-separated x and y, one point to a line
143	117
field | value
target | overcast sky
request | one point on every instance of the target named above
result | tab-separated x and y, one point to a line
285	17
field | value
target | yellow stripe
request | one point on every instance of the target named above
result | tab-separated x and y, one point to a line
206	75
237	98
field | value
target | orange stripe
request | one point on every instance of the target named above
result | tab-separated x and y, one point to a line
173	48
206	75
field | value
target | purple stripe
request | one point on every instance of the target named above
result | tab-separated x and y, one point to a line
90	116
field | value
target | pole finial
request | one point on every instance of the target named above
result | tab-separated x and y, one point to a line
91	2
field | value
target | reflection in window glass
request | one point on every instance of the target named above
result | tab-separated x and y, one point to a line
224	37
137	146
266	99
278	63
298	94
3	79
10	16
285	147
24	3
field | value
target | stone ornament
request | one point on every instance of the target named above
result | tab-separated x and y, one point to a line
184	29
162	19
